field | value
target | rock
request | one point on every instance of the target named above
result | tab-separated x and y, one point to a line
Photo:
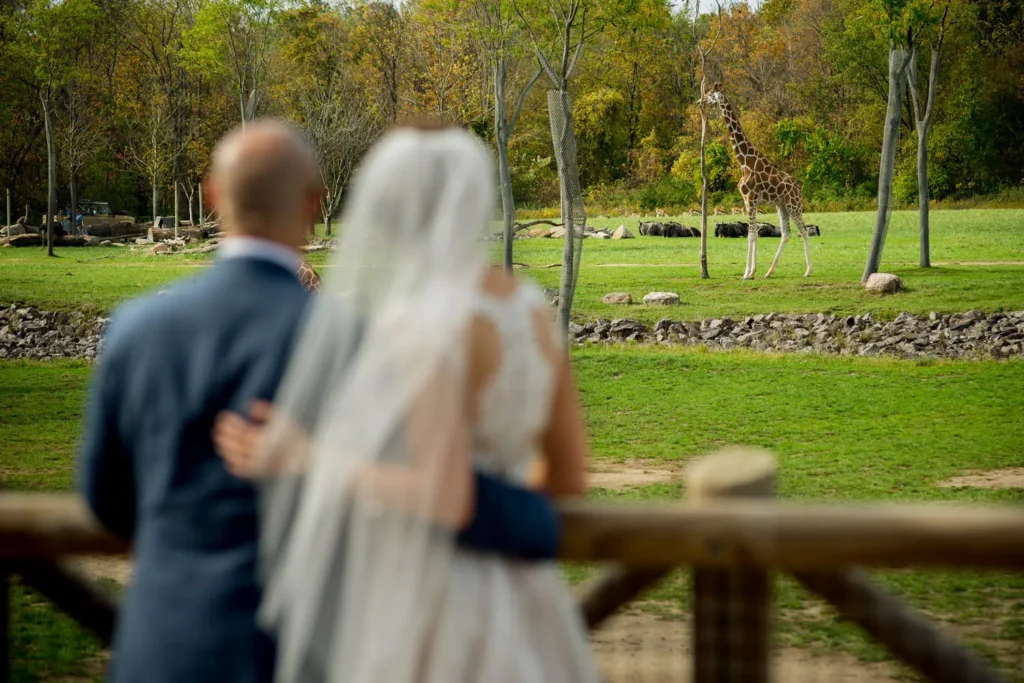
884	283
106	243
540	232
661	299
621	233
162	248
620	298
557	233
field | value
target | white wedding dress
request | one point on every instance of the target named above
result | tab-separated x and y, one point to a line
521	622
363	585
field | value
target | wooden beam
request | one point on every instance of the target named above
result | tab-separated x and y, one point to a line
616	586
73	593
731	605
5	624
719	534
794	536
906	633
34	526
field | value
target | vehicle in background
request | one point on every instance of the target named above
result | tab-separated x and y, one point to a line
97	213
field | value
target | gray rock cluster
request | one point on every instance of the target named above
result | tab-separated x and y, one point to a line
31	333
971	334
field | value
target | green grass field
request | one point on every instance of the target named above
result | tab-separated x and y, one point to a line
978	257
843	428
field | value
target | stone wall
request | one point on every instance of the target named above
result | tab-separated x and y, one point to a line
971	334
30	333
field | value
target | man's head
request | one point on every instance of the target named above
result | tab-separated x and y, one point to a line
264	182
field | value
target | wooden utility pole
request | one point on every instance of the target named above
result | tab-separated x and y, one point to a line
8	206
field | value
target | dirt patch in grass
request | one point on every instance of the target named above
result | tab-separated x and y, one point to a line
118	569
978	263
1007	478
632	474
637	646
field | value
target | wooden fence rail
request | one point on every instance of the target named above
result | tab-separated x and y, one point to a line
730	532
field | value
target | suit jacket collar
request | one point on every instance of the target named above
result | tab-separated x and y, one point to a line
256	249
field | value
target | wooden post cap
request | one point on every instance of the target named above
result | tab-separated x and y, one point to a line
733	471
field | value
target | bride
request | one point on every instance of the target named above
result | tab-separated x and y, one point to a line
417	363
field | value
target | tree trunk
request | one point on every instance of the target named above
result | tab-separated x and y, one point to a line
327	225
176	212
155	202
74	205
51	176
922	194
201	203
573	216
703	196
501	134
898	60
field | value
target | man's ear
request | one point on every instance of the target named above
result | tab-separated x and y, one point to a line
211	193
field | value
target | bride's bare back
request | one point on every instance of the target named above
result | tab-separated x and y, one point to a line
520	394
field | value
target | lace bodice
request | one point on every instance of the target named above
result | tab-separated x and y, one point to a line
515	404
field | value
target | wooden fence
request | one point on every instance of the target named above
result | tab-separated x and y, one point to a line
728	530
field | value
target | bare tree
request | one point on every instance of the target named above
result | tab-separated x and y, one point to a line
702	56
151	149
899	61
574	23
384	29
499	34
79	138
341	130
923	122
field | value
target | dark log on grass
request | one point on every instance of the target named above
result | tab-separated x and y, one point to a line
523	226
615	587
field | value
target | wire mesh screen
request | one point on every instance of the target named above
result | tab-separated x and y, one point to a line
574	217
893	626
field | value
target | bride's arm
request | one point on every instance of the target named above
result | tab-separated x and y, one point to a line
563	470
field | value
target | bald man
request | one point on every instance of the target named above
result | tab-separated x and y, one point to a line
169	365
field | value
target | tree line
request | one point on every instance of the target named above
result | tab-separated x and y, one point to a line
128	97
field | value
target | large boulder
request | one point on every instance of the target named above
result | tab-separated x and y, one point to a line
661	299
884	283
621	233
619	298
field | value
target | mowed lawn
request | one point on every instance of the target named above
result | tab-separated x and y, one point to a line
978	257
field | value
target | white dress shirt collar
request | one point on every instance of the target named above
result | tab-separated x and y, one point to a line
260	249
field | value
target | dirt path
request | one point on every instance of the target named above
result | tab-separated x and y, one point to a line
632	473
1007	478
640	647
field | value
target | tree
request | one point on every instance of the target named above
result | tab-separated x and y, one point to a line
381	37
235	36
572	23
923	123
499	36
702	56
44	32
79	135
902	21
151	148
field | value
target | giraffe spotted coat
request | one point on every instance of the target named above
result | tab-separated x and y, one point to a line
762	183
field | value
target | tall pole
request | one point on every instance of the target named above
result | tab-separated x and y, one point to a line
8	206
200	205
175	209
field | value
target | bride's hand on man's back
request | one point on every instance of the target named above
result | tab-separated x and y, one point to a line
239	440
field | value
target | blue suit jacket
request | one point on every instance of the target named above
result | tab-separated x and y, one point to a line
170	363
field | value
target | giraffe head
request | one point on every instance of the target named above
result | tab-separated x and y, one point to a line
714	96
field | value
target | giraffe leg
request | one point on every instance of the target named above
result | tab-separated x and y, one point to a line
751	242
784	224
798	216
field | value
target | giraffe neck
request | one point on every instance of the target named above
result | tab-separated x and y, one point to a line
741	146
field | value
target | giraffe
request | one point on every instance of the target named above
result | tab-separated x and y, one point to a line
308	277
762	182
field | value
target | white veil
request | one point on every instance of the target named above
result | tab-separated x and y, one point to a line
355	550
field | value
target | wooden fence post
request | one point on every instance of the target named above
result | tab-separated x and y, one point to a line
5	624
731	607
